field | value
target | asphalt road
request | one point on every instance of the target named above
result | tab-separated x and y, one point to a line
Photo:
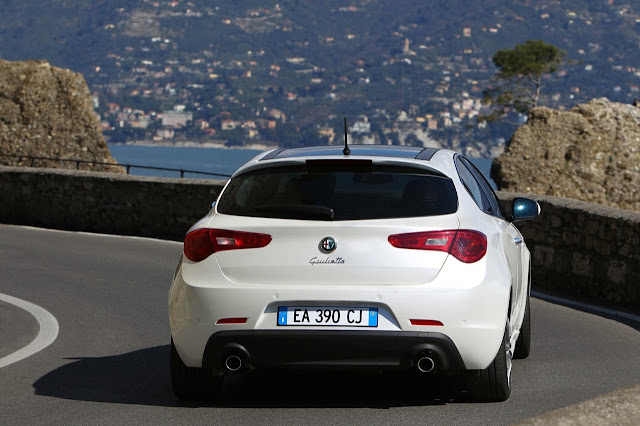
109	363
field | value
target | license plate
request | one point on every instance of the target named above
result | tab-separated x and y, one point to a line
327	316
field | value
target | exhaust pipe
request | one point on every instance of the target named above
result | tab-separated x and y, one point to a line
235	358
426	364
233	363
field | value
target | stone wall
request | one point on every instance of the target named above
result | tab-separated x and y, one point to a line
104	202
579	248
584	249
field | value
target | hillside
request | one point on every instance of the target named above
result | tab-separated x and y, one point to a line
409	72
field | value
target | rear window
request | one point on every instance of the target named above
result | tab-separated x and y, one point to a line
339	193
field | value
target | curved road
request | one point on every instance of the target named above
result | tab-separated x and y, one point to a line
109	363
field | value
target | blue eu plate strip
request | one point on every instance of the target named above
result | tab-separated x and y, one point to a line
282	315
373	317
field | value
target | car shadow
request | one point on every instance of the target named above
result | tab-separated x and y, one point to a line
142	377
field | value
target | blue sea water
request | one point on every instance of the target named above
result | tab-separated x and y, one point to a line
210	160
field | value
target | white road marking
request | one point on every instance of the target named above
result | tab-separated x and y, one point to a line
46	336
592	308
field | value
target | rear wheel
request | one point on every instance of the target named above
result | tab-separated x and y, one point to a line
191	384
493	384
523	344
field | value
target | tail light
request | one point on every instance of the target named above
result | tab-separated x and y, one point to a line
201	243
465	245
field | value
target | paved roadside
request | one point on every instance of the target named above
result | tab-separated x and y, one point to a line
620	408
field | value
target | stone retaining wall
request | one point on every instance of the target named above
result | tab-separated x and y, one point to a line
106	203
584	249
579	248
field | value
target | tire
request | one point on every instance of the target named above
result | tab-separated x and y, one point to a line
493	384
193	384
523	344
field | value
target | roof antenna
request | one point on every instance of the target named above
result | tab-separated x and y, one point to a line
346	150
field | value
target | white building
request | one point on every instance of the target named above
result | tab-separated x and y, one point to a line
176	119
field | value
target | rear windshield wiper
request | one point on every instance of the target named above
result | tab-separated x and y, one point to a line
305	210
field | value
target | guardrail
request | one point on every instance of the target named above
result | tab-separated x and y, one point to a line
128	167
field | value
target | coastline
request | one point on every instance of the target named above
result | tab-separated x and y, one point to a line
191	144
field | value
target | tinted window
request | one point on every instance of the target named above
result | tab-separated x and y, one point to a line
472	186
297	193
495	208
477	187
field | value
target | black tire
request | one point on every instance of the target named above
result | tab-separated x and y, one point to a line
493	384
193	384
523	344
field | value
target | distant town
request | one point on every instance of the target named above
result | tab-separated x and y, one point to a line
405	92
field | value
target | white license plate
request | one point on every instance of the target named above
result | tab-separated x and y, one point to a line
325	316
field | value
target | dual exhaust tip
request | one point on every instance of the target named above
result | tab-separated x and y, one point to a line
235	358
233	363
237	361
426	364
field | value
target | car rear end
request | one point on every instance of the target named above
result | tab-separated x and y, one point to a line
340	262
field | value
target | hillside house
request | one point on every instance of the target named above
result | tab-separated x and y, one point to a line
176	119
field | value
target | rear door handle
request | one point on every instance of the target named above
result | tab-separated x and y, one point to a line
517	240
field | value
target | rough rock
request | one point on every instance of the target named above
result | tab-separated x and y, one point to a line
48	112
590	153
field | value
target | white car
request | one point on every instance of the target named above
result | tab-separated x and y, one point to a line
387	258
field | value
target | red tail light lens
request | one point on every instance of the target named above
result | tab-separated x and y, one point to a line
469	246
201	243
439	241
465	245
197	245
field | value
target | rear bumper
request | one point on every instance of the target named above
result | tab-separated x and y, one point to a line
471	307
317	349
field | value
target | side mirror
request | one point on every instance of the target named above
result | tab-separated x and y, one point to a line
524	208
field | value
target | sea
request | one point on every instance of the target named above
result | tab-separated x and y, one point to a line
210	160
